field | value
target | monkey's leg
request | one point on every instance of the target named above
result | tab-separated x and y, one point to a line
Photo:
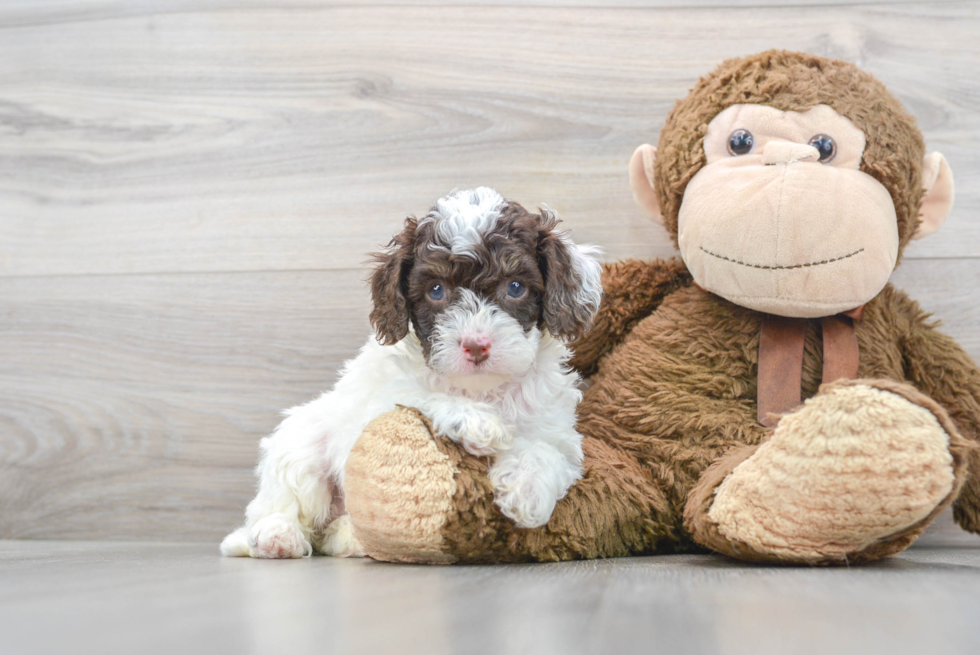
413	497
855	474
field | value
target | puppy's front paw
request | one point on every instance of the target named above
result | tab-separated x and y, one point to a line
480	432
276	537
522	495
483	434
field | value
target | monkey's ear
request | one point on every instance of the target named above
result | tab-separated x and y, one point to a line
390	314
937	180
641	181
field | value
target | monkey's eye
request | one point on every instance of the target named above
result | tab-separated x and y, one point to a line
437	292
825	146
515	289
740	142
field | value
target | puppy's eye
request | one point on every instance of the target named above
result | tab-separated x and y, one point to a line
740	142
515	289
437	292
825	146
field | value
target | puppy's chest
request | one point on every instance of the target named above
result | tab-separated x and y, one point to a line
524	404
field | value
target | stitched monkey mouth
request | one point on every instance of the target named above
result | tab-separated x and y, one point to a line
782	268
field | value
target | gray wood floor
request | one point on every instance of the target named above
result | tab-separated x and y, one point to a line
189	189
126	598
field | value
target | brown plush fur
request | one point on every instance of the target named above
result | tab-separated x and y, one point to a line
676	395
679	392
625	305
611	512
671	408
937	366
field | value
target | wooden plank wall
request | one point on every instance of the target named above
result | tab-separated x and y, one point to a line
188	191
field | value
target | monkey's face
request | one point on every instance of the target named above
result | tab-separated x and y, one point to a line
781	220
799	203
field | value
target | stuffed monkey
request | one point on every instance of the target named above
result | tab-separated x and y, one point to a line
769	395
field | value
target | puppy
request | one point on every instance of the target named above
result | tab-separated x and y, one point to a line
471	306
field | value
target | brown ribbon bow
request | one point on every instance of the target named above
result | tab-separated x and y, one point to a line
781	359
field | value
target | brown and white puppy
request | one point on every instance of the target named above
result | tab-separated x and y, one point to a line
472	304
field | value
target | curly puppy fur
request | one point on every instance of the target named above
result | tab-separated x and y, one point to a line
471	305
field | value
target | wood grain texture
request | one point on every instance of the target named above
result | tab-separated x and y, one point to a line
251	139
19	13
121	598
188	192
132	405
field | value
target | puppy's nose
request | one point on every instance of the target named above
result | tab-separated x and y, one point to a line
476	349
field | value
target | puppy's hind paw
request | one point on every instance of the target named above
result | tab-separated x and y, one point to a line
339	540
235	544
276	537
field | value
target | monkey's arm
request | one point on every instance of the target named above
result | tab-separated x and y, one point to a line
939	367
631	290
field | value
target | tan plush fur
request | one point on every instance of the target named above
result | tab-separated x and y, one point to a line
669	418
399	489
799	540
854	465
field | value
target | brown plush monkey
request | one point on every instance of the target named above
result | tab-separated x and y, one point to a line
791	184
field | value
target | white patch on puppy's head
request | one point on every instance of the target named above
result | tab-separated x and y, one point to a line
462	218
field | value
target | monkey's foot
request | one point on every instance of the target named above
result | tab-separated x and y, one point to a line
855	474
399	490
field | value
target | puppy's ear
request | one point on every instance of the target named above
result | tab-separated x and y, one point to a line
572	280
389	286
